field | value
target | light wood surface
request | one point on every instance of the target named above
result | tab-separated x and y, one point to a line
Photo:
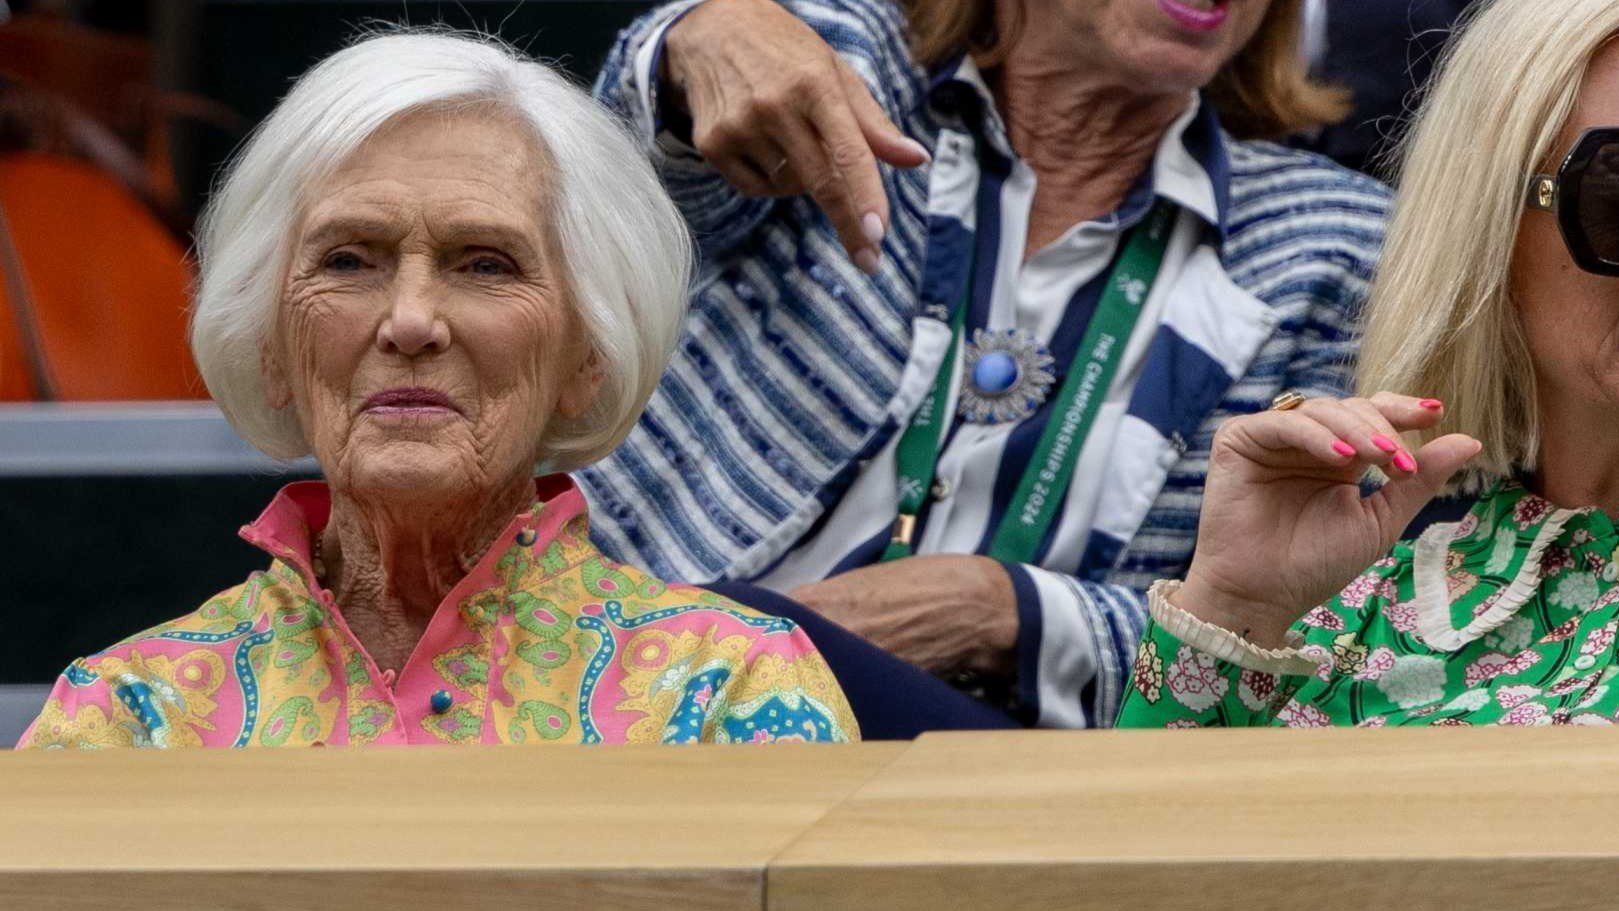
1251	819
624	827
1312	820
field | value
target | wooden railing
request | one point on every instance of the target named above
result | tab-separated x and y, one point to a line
1240	819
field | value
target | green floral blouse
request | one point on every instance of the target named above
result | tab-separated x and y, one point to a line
1506	617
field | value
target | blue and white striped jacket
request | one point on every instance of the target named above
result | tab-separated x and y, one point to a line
784	380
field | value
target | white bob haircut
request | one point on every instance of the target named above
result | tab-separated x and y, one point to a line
626	252
1441	320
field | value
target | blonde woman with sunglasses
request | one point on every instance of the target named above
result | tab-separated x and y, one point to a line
1498	303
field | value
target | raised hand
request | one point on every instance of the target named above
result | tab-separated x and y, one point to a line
778	113
1284	526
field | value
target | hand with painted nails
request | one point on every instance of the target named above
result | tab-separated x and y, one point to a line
1284	526
778	113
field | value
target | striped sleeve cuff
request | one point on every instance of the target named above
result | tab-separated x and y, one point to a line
1075	644
648	64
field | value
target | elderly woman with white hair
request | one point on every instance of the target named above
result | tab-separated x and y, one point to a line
1499	296
437	266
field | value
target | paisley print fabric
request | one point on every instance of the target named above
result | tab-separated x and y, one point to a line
1506	617
545	641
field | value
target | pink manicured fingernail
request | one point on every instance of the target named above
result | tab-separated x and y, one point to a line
1432	404
1404	462
921	149
872	226
1384	443
1342	448
867	260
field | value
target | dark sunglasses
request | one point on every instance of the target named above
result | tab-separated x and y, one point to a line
1584	194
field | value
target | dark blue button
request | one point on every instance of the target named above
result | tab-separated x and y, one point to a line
441	702
995	371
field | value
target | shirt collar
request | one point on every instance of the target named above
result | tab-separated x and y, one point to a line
1530	511
1190	167
287	527
958	87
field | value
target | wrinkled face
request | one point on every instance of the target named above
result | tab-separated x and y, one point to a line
1160	46
426	334
1570	316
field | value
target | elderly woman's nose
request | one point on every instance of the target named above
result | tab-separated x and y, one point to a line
413	325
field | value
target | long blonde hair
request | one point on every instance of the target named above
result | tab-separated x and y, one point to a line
1441	321
1262	93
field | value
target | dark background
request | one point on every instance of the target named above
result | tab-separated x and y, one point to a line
271	43
246	53
89	561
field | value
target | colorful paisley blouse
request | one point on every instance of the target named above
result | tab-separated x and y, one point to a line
544	641
1506	617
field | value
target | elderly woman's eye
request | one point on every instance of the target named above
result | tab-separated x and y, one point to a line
343	261
489	266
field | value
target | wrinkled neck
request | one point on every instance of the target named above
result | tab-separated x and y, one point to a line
391	564
1058	121
1087	134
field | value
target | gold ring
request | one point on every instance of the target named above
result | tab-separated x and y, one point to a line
1287	401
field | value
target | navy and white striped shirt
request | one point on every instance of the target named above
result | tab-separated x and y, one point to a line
768	451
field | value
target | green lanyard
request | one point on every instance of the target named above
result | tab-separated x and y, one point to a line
1089	377
918	450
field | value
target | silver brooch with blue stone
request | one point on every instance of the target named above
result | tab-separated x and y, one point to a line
1008	375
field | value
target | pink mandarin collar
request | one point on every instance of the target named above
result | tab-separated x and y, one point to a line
301	509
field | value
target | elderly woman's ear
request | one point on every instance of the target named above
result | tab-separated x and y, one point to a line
575	399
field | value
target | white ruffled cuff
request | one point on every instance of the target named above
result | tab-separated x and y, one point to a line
1223	643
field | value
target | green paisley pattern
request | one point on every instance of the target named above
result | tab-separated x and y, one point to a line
463	666
295	716
549	722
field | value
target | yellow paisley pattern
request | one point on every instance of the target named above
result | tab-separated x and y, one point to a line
546	641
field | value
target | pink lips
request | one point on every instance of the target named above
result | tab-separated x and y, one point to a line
414	400
1198	20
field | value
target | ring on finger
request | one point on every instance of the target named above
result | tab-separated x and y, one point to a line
1287	401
